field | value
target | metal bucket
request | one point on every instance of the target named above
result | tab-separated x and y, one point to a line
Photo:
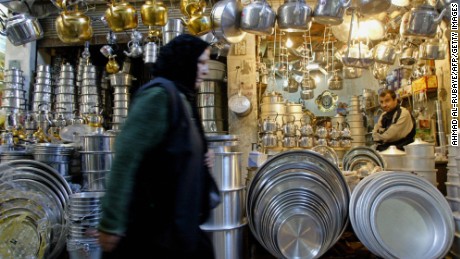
227	243
98	142
227	170
230	212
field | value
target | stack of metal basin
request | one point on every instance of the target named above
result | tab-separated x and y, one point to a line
57	156
65	91
89	98
173	28
227	222
13	98
42	94
210	99
121	82
83	214
96	159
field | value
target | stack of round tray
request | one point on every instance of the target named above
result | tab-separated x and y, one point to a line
34	196
297	204
401	215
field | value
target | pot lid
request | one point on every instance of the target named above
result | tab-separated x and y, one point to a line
393	151
419	141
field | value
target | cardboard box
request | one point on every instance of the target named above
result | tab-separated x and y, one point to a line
425	83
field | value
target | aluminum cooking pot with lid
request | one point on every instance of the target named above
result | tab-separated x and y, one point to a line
258	18
22	28
433	49
385	52
294	16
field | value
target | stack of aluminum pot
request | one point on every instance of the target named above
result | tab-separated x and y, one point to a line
420	160
89	99
356	122
83	214
13	98
121	82
227	221
65	91
96	159
42	88
57	156
210	102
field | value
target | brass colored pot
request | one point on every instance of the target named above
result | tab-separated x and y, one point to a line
154	13
199	25
121	17
73	26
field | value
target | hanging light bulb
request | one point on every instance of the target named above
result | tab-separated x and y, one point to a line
289	43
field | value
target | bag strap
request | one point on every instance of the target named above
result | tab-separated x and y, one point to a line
172	92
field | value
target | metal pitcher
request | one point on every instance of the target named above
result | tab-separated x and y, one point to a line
21	29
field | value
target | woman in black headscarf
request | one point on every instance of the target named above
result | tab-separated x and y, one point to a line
159	185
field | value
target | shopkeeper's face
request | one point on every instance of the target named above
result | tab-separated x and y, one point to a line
387	103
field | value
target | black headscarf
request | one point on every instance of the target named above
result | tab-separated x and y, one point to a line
177	61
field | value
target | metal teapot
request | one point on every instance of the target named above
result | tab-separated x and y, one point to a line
21	29
73	26
135	49
269	125
121	16
258	18
421	22
154	13
294	16
192	8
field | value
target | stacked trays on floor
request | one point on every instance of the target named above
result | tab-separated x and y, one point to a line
96	159
297	204
83	214
226	222
453	193
33	197
401	215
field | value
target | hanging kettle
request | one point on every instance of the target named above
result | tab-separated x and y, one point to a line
73	26
294	16
21	29
121	16
421	22
154	13
258	18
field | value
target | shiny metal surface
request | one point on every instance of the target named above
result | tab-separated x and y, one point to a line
225	20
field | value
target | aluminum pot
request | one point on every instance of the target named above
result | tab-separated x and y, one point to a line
121	104
408	55
96	161
294	16
89	98
432	49
230	212
98	141
258	18
210	113
64	90
121	97
22	28
14	93
43	80
421	22
240	104
335	82
225	20
274	108
120	79
120	90
330	12
272	97
88	90
419	148
120	112
385	53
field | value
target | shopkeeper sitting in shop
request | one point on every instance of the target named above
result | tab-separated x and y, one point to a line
396	126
